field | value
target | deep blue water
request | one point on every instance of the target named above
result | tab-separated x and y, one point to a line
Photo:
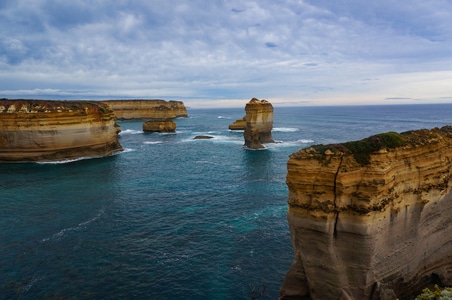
171	217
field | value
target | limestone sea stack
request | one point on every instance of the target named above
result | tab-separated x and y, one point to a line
147	109
371	219
238	124
42	130
259	123
159	125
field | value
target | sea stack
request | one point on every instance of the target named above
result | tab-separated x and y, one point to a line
238	124
42	130
371	219
147	109
159	125
259	123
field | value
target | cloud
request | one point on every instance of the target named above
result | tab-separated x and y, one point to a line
290	51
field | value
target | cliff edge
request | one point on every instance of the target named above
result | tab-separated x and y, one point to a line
371	219
147	109
44	130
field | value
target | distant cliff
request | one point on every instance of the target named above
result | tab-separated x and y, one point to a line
259	123
41	130
371	219
147	109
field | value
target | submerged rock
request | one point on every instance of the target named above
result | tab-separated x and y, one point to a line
259	123
203	137
44	130
370	219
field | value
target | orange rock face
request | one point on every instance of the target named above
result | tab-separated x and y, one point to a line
371	219
259	123
41	130
238	124
159	125
147	109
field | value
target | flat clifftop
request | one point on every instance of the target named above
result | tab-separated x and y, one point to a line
147	109
370	219
25	106
45	130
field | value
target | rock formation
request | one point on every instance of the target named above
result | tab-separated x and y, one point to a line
41	130
203	137
371	219
238	124
147	109
259	123
159	125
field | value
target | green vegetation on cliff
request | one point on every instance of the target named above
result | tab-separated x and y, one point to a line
362	149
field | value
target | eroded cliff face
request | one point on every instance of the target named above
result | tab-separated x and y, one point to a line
259	123
238	124
41	130
371	219
147	109
159	125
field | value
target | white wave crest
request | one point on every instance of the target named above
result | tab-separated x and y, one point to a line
305	141
130	131
80	226
30	284
152	143
285	129
57	162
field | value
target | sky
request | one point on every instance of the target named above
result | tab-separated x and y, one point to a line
222	53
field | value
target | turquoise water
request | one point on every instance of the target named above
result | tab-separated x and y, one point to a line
171	217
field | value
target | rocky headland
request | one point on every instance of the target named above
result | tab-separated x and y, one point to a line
371	219
147	109
44	130
259	123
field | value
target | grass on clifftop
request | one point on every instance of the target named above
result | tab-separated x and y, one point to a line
362	149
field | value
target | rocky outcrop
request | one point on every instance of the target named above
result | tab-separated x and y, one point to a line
259	123
147	109
238	124
159	125
371	219
41	130
203	137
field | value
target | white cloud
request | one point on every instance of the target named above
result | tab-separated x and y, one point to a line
286	51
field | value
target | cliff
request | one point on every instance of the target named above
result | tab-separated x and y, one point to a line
259	123
371	219
41	130
147	109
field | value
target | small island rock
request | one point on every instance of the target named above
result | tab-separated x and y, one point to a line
159	125
259	123
238	124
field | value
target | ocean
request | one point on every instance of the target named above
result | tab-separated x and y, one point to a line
171	217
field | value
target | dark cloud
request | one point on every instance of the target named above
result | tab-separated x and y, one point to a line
191	48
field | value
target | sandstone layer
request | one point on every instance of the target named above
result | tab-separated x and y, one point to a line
371	219
147	109
238	124
259	123
41	130
159	125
